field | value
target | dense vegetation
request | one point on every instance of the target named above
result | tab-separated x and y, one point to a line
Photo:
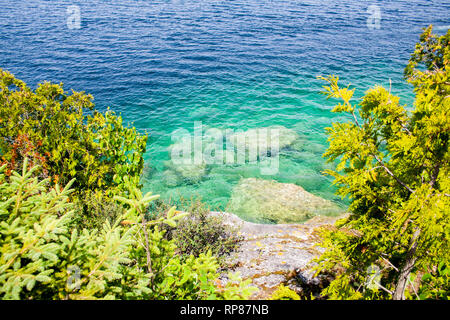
394	166
73	221
66	137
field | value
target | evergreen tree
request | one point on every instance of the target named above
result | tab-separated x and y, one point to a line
394	166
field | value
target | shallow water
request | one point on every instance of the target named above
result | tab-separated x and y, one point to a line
229	64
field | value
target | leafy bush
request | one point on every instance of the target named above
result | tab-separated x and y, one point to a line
43	255
189	277
97	208
67	138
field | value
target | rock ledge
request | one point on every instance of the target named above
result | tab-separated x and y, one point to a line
274	254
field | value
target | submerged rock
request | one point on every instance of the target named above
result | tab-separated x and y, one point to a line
170	178
260	139
268	201
191	173
183	162
271	255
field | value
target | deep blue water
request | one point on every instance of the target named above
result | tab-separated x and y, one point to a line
230	64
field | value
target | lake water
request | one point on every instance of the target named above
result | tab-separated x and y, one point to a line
230	64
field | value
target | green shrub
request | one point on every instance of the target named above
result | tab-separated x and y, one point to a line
67	138
189	277
98	207
41	257
200	232
394	164
43	254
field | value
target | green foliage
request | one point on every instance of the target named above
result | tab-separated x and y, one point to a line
284	293
43	255
39	253
394	166
189	277
436	284
67	137
236	288
98	208
201	231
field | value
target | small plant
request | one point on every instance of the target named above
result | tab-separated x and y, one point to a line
284	293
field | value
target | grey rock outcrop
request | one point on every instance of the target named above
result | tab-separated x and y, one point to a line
271	255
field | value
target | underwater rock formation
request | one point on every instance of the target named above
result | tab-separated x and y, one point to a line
260	139
217	148
170	178
183	161
268	201
191	173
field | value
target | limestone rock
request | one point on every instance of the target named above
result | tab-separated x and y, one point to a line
268	201
271	255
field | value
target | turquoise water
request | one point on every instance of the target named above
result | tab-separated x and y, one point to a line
229	64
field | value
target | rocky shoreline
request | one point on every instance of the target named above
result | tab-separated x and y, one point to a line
274	254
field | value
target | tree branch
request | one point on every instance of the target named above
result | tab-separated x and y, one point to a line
411	258
385	289
147	245
391	174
